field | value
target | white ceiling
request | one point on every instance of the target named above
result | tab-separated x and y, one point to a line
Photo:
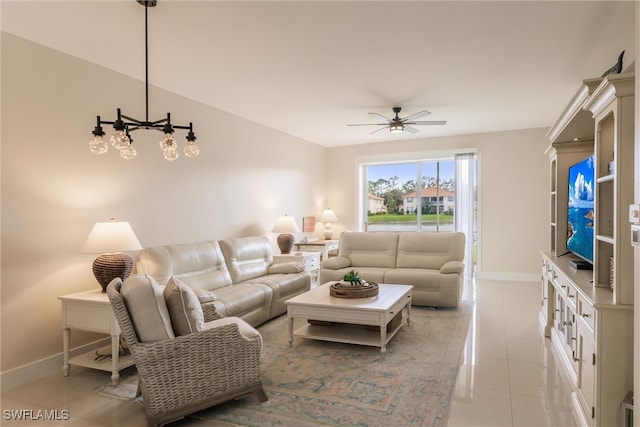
309	68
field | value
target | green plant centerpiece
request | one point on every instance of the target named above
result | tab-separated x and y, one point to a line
353	286
353	278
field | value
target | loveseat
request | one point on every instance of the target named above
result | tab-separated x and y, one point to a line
237	277
430	261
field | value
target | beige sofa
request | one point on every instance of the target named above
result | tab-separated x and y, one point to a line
237	276
430	261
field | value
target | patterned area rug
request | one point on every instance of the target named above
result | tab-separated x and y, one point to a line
126	387
318	383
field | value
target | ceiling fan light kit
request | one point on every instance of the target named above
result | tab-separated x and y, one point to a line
399	125
123	125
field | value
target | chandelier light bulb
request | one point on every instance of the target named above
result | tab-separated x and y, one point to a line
170	154
128	152
120	140
168	142
98	145
191	149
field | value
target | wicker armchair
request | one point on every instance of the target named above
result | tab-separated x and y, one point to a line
186	374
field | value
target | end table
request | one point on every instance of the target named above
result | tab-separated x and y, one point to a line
91	311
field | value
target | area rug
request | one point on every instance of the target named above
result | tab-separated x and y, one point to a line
126	387
318	383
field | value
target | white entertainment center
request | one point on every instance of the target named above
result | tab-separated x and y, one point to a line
588	314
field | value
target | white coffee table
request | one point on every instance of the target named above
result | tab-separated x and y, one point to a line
349	315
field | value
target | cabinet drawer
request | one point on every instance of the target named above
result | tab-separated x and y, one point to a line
88	317
586	312
312	262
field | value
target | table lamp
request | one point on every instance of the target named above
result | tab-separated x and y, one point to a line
111	239
328	216
285	225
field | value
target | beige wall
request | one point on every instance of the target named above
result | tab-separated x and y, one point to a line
513	200
54	189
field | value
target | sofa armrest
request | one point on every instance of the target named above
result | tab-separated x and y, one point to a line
336	263
285	267
452	267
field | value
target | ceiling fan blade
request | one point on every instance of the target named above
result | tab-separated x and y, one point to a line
368	124
381	116
410	129
427	122
416	115
378	130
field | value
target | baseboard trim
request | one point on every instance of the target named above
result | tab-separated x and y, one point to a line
44	367
511	277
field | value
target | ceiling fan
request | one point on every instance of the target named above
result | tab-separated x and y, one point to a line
397	124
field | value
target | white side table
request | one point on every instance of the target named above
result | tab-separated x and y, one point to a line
91	311
322	246
311	261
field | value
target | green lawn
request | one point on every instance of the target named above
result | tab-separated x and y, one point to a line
407	218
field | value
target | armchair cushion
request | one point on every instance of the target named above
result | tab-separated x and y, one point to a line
285	267
184	307
147	308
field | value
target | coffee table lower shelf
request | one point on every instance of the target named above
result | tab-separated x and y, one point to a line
347	333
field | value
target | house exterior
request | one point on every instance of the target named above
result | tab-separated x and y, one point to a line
443	199
376	204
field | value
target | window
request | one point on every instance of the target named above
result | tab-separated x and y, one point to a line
421	195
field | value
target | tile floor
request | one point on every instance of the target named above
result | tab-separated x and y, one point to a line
509	376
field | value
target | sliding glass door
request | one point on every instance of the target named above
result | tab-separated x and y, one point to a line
436	194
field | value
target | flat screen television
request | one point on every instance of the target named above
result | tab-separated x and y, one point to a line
580	209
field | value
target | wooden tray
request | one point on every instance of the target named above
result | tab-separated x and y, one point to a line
347	290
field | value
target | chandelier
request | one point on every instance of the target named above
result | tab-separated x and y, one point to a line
124	125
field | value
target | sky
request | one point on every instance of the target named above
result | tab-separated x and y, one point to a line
407	171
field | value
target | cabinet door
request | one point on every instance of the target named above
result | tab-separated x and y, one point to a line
571	335
559	314
586	370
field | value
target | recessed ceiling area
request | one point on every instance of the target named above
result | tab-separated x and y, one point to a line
309	68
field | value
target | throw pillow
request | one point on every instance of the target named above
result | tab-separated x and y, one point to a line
147	309
186	313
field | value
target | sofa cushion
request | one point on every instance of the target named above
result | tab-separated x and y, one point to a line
200	265
420	278
250	301
429	250
366	249
184	307
147	308
371	274
247	257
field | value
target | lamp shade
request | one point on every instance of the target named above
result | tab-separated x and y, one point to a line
328	216
110	237
286	224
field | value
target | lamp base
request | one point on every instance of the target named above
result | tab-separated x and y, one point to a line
109	266
285	243
328	231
